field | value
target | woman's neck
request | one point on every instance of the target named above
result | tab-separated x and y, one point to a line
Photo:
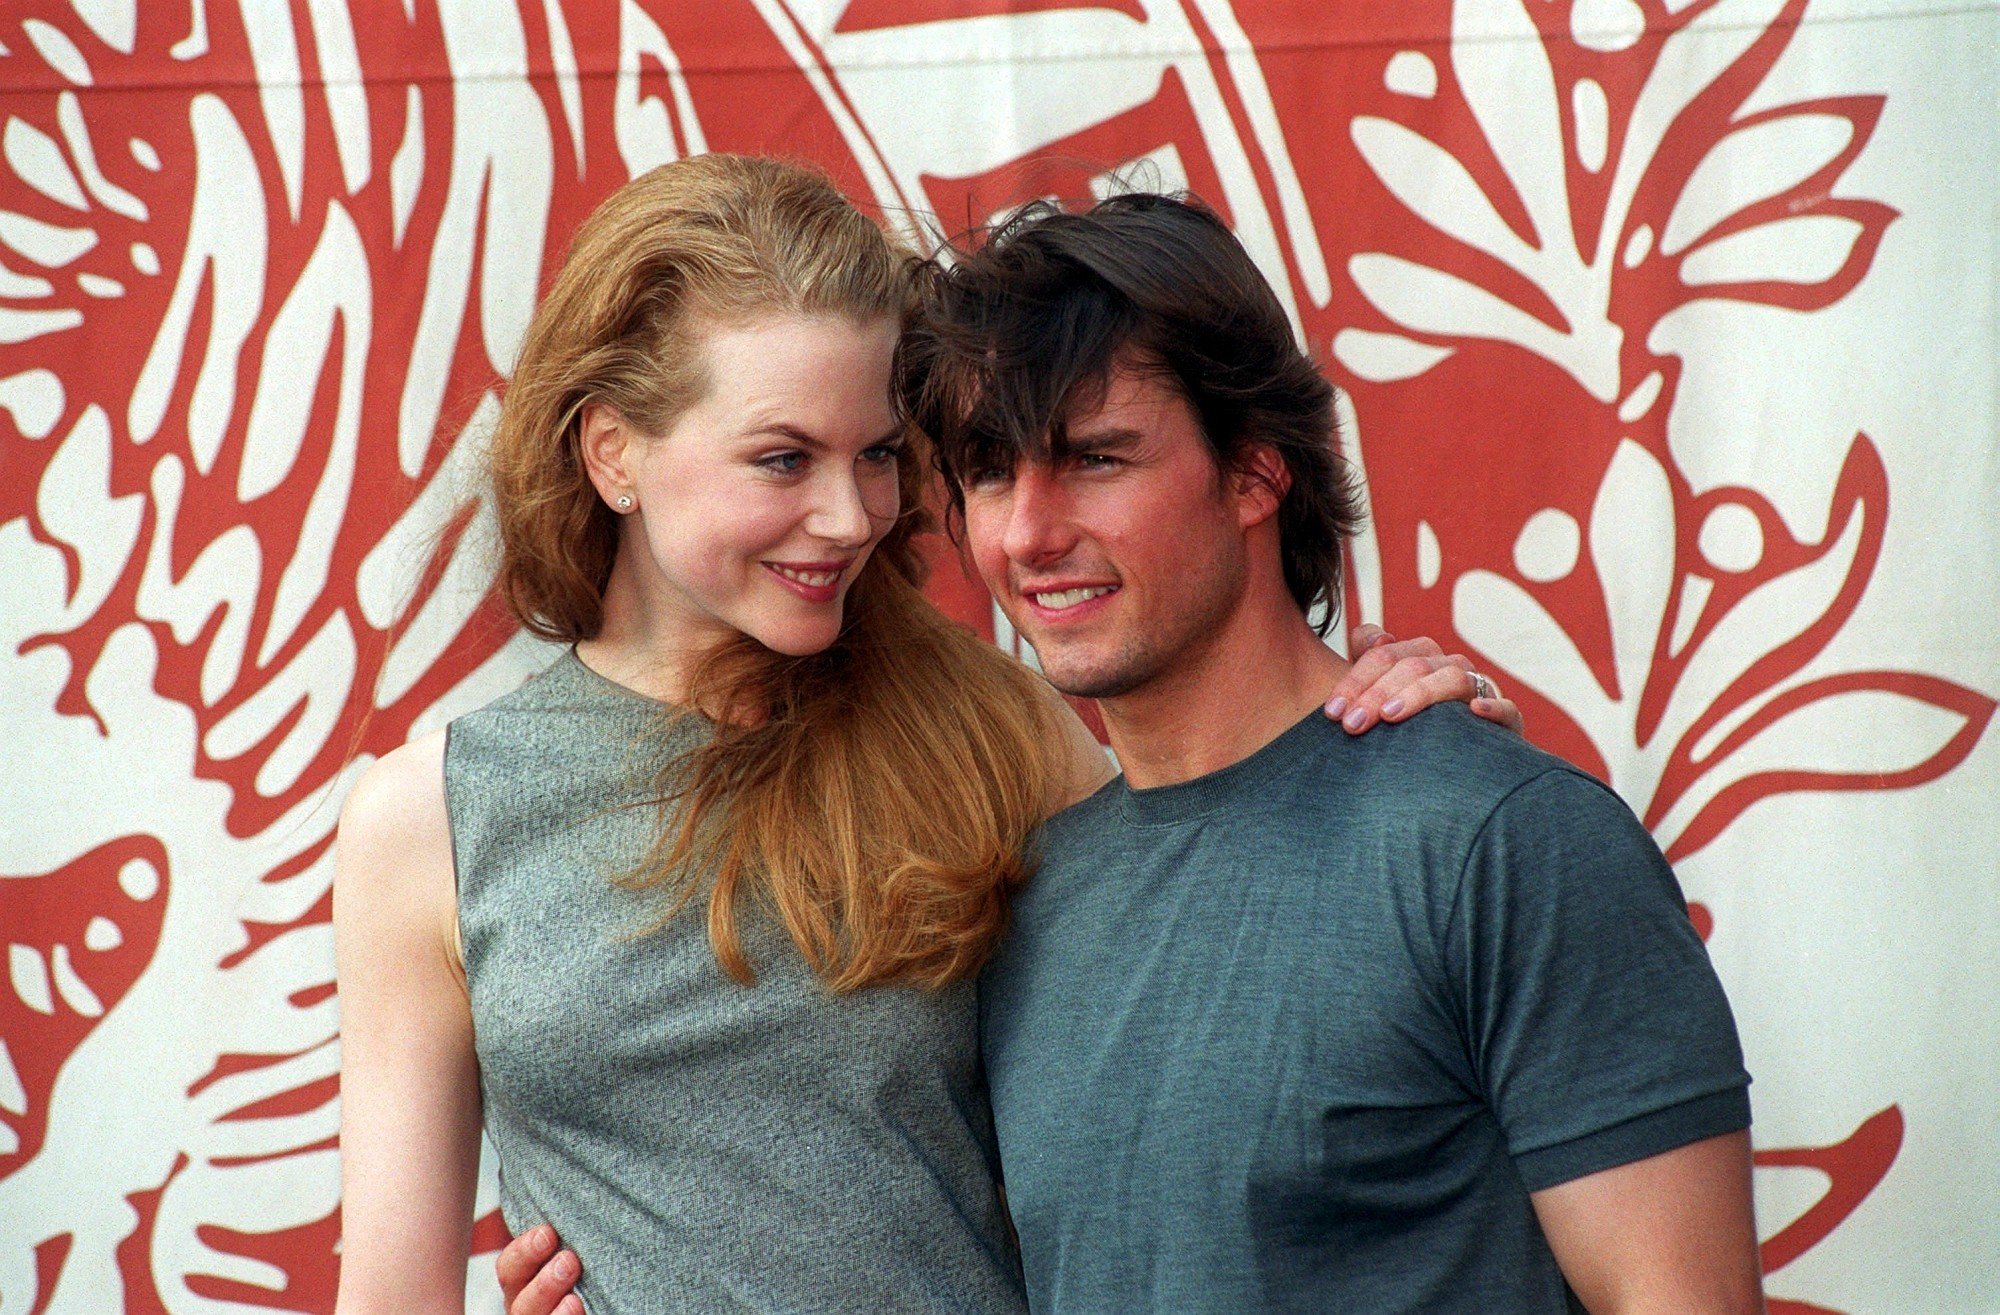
642	644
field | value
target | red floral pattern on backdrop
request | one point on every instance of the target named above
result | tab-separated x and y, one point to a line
262	266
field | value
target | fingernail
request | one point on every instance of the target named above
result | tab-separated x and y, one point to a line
565	1266
1393	708
1356	719
1337	708
544	1237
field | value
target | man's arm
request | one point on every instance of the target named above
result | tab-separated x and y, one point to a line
1672	1233
1606	1049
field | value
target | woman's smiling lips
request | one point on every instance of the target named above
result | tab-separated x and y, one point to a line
1065	601
816	582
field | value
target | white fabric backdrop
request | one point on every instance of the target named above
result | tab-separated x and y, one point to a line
1669	334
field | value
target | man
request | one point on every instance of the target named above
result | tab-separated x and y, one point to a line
1293	1020
1289	1019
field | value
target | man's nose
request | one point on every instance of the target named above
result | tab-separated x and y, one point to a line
1039	526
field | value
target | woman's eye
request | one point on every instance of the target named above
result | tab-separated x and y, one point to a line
881	453
782	463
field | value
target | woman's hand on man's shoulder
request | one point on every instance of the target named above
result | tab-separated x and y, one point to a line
1394	679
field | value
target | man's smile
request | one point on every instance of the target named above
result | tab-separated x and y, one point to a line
1066	600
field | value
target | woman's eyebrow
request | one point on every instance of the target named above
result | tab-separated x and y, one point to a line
779	429
792	433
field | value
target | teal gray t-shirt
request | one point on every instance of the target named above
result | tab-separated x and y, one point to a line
1303	1034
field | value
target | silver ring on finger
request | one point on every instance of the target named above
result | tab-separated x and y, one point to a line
1482	688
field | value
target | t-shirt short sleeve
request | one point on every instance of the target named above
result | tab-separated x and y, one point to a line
1596	1026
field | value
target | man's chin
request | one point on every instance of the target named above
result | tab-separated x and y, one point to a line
1081	678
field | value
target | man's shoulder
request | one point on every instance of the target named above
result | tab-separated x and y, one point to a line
1444	763
1432	782
1096	809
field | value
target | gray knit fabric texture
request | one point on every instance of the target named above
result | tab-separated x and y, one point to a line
703	1145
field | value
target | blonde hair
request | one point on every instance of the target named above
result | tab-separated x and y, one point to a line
877	795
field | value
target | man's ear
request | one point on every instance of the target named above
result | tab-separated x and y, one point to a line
1261	479
608	446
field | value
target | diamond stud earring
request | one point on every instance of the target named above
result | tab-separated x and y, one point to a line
624	502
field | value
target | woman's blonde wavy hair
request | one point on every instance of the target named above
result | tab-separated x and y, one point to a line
877	796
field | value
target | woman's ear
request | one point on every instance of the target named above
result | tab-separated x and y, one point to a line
607	443
1261	479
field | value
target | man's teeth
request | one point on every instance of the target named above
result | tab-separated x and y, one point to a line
1066	598
811	579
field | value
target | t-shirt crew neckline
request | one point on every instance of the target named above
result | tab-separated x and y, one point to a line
1185	801
610	686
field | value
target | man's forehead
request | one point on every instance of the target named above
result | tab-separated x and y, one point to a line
1008	411
1125	394
1129	394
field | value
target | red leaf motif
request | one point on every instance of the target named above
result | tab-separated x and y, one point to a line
49	1258
307	1256
867	15
1854	1166
1974	710
72	958
1809	196
1754	249
1707	115
1871	218
1862	491
1066	167
135	1253
490	1234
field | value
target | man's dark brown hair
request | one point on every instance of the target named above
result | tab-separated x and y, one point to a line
1019	334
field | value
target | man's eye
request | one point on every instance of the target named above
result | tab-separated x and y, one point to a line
1096	461
989	476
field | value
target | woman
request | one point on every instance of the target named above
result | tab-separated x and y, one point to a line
702	486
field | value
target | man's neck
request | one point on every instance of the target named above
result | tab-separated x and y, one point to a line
1264	671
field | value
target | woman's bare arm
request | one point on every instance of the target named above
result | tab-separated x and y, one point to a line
409	1115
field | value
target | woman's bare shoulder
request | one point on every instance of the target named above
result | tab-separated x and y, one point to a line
400	797
394	844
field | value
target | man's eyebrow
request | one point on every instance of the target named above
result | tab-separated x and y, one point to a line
1101	440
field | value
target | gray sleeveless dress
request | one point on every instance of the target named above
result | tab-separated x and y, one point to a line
704	1146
